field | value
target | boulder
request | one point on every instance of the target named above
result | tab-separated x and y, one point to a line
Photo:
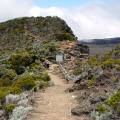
95	100
12	99
2	113
20	113
84	110
24	103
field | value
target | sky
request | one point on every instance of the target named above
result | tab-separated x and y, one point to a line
89	19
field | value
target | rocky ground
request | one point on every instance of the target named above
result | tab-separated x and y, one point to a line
98	88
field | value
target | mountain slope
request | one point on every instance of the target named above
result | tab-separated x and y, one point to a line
105	41
22	32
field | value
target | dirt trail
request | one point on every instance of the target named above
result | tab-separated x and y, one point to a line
54	103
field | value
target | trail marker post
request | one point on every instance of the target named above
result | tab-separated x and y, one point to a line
59	58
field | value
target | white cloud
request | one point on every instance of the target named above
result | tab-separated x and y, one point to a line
14	8
94	22
88	21
52	11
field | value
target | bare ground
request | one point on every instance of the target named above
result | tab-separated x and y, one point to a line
54	103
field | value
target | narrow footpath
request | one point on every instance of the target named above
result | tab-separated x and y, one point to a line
54	103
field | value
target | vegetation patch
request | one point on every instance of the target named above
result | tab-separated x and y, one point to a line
23	58
15	90
91	81
25	82
3	92
114	100
9	108
101	108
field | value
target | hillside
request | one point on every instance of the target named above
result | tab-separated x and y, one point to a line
105	41
28	46
97	86
23	32
101	46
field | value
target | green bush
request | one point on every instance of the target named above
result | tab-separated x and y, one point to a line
7	76
5	82
65	36
51	46
107	56
2	95
25	82
94	61
37	66
118	67
101	108
8	73
3	92
21	58
114	100
9	108
45	77
110	63
77	71
15	90
91	82
43	84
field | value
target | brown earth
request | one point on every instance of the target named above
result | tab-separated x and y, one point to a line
54	103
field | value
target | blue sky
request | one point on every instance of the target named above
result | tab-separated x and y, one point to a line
88	18
60	3
69	3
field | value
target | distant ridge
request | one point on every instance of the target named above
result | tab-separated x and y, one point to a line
102	41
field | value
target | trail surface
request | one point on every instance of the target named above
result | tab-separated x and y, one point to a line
54	103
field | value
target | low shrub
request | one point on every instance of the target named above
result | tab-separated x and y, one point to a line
91	81
43	84
118	67
101	108
8	73
94	61
108	63
45	77
114	100
65	36
25	82
37	66
9	108
15	90
3	92
5	82
77	71
21	58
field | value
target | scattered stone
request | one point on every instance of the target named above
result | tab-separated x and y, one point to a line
69	90
95	100
78	111
2	113
20	113
24	103
12	99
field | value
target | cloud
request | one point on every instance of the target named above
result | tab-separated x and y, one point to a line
87	21
52	11
94	22
14	8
